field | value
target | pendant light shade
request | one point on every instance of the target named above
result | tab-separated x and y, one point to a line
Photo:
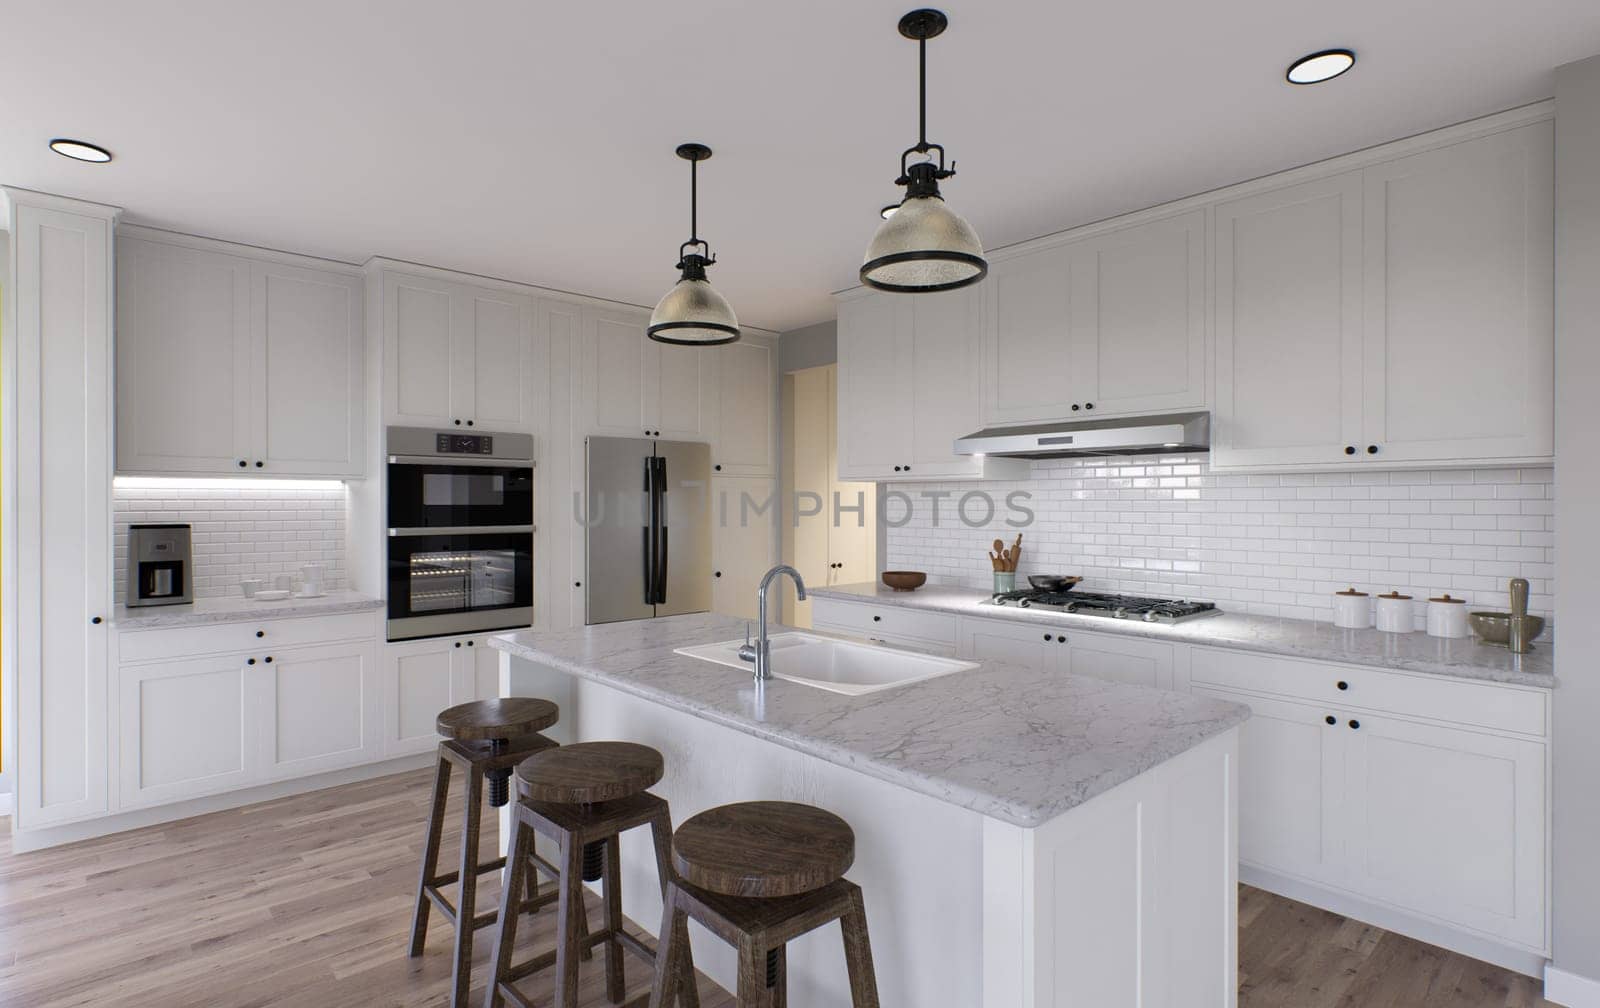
692	313
923	245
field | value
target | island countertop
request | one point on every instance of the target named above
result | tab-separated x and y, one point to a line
1463	658
1014	744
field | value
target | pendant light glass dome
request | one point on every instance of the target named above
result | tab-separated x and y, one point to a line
692	313
923	245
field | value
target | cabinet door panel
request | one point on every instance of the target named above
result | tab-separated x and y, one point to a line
991	640
1459	325
613	374
1120	659
742	544
1291	787
874	396
319	702
747	371
306	371
1288	325
188	728
1145	349
1028	338
500	333
946	385
684	389
421	361
416	687
183	359
1449	823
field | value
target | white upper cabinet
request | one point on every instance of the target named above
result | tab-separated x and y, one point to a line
633	386
1109	324
747	376
228	364
1459	327
457	354
1394	315
909	386
1288	325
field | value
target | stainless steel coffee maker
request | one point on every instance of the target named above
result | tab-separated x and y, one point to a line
160	565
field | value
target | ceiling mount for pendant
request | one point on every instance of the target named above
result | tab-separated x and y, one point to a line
692	313
923	245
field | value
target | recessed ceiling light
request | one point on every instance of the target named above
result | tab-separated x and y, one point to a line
80	150
1320	66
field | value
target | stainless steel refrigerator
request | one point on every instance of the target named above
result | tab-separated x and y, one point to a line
647	528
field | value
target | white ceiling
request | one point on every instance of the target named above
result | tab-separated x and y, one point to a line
533	140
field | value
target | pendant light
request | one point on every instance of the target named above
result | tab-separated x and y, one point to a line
692	313
923	245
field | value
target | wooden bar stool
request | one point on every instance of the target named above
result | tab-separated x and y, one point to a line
758	875
486	739
582	796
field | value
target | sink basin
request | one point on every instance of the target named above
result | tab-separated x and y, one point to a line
837	665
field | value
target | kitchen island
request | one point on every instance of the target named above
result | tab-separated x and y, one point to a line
1022	838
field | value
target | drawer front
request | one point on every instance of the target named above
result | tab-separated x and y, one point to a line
1483	705
885	621
221	638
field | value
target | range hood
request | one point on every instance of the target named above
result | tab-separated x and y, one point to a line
1174	432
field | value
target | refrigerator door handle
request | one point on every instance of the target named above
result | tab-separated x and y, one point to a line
648	532
658	518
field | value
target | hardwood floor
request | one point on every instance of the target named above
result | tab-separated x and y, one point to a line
307	902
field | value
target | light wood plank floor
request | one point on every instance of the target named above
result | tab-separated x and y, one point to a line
306	901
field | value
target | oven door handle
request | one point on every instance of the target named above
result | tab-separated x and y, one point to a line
462	460
462	530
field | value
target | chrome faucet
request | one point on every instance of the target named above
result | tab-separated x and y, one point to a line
761	652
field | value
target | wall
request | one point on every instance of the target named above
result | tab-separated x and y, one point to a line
1274	545
1576	864
810	347
241	529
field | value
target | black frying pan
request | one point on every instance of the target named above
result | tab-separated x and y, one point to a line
1052	582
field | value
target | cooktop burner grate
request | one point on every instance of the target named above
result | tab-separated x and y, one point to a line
1114	606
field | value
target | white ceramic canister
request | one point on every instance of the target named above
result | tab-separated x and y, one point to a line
1447	617
1352	609
1395	613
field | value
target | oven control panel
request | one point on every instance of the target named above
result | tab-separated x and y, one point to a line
464	444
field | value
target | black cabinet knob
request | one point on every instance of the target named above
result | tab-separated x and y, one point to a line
1075	407
259	464
249	661
261	633
577	584
1355	724
896	468
97	621
716	573
1350	449
469	423
877	619
1372	449
717	468
1046	636
458	423
1088	405
458	643
1331	719
268	659
908	468
243	464
1062	639
1342	684
470	643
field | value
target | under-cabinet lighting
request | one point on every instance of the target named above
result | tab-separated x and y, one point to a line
193	483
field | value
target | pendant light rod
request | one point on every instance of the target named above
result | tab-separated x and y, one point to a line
694	153
920	26
922	94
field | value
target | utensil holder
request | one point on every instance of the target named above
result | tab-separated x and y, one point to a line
1005	581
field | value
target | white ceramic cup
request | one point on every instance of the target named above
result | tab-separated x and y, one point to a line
284	582
1395	613
1447	617
311	579
1352	609
250	586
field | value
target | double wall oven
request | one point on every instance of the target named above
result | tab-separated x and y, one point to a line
460	532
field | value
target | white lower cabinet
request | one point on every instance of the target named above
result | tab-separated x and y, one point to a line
742	523
200	726
422	678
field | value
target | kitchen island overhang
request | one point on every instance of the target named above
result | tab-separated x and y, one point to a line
1022	838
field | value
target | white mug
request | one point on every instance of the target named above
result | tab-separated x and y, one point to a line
311	579
250	586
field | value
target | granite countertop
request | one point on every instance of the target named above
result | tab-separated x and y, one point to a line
1013	744
1464	658
240	610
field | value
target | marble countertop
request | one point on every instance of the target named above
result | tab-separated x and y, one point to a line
240	610
1413	652
1014	744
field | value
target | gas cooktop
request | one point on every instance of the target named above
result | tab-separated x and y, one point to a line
1150	610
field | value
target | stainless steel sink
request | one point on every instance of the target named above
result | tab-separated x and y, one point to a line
838	665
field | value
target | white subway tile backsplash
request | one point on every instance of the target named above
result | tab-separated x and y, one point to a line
1276	545
240	531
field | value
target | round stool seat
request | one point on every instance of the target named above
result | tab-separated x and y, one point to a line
500	718
587	772
763	848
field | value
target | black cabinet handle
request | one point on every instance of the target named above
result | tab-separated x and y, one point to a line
470	643
1342	684
1355	724
716	573
577	584
97	621
896	468
458	423
268	659
877	619
1046	636
908	468
1331	719
243	464
469	423
1062	639
717	468
249	661
1088	405
1372	449
1075	407
1349	449
259	464
458	643
261	633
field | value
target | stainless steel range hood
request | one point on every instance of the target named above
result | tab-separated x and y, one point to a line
1174	432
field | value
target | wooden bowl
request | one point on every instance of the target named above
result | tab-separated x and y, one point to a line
904	580
1495	627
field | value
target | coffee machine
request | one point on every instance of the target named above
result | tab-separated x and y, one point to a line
160	565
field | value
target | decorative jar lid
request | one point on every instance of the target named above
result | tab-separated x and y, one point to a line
1395	594
1352	592
1446	598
